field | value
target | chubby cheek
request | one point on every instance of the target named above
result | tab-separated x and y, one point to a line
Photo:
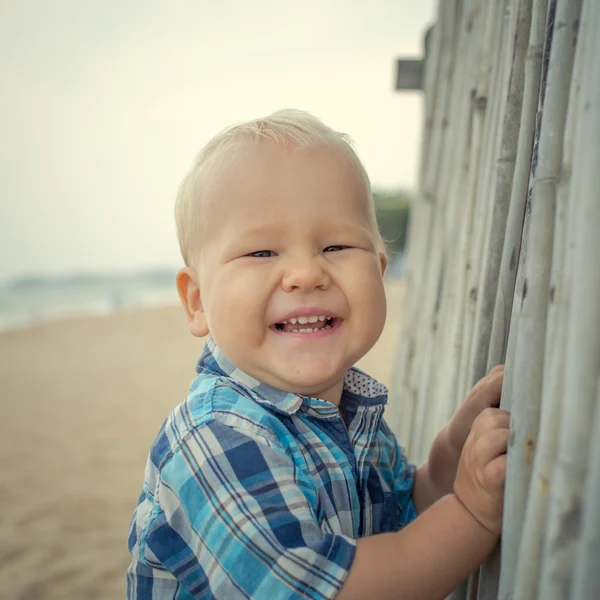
236	308
379	311
372	309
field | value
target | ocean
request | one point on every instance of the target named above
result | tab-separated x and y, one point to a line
31	300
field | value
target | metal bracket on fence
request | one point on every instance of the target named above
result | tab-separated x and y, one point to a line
409	74
410	71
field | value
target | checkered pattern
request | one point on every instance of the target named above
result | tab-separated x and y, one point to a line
252	492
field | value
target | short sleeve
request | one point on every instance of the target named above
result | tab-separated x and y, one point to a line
233	520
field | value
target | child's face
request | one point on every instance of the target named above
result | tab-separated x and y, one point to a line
290	238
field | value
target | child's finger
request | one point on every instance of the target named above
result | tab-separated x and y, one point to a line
492	445
491	418
494	473
488	390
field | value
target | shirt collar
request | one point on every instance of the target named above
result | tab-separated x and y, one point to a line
359	389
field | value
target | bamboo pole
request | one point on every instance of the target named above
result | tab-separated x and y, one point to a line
490	69
517	347
529	351
506	21
460	255
432	266
444	216
526	581
512	134
420	234
440	397
430	296
582	357
518	40
479	124
586	578
514	225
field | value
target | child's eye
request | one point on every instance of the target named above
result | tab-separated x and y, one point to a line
335	248
262	254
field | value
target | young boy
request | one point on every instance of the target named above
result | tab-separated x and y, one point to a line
277	477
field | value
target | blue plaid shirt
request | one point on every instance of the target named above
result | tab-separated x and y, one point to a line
253	492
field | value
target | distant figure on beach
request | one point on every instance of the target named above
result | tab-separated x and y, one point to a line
277	477
116	299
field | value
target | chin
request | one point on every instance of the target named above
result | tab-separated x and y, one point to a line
315	365
312	386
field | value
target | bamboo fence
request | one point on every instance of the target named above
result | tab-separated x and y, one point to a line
503	267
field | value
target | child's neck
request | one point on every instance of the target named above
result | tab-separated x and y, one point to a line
333	394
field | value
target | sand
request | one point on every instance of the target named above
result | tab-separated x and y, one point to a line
82	400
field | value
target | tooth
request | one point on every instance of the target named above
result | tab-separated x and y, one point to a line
322	318
313	319
293	321
295	330
327	327
303	320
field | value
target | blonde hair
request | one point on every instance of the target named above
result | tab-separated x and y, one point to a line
282	127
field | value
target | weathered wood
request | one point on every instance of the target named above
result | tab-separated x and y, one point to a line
519	30
504	252
586	578
582	356
528	563
527	364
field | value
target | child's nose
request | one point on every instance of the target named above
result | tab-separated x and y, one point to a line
305	275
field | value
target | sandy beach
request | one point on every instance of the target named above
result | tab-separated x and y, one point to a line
82	400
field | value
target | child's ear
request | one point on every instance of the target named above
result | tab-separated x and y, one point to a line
189	294
383	262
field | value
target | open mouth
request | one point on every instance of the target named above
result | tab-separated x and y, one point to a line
310	324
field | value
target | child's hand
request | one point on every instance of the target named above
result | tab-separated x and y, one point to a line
479	483
485	394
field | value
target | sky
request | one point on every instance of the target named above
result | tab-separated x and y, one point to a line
105	105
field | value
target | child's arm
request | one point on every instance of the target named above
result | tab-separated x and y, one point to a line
230	515
435	478
432	555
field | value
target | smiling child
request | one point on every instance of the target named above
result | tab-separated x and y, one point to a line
277	477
